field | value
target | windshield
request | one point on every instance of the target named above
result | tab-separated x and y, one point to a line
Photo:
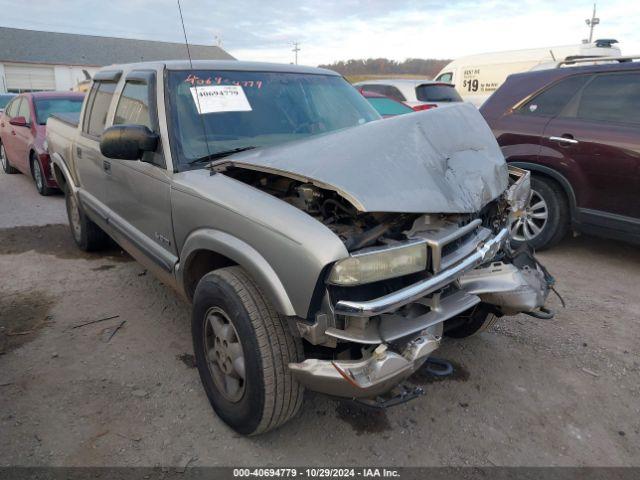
437	93
45	107
221	111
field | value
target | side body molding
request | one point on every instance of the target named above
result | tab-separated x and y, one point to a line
244	255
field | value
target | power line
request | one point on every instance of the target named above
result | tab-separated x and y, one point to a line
296	49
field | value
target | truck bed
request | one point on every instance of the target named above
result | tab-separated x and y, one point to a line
70	118
62	130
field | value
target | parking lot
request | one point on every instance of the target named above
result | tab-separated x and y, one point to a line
124	391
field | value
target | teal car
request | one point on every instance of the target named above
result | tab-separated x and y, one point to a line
385	106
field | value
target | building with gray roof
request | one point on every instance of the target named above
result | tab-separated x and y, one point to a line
32	60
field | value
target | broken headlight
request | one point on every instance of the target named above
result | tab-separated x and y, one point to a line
375	264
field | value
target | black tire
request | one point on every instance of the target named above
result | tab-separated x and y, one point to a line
270	395
87	235
558	216
473	321
6	166
39	177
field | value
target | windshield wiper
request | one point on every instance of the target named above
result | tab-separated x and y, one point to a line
223	153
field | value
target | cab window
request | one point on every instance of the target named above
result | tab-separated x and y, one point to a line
96	117
133	106
445	77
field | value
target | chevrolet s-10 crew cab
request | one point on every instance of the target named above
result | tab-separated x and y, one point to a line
321	248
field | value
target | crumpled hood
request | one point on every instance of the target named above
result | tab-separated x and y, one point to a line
444	160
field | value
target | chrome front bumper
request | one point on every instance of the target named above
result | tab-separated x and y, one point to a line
388	303
369	377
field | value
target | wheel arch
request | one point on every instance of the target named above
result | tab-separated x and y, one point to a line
61	173
544	171
207	249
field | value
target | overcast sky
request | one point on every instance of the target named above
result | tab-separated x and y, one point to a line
330	30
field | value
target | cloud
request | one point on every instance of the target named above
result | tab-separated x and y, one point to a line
337	29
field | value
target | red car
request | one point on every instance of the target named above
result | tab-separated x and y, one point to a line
577	128
22	134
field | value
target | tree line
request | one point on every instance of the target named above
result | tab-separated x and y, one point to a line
383	66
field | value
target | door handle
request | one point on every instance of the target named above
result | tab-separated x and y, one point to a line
78	152
106	166
564	139
13	132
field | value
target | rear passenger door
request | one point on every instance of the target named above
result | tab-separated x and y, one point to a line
138	191
598	135
90	164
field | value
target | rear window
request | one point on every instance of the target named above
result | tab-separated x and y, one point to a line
45	107
437	93
386	90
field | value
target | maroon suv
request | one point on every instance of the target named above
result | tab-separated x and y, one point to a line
577	128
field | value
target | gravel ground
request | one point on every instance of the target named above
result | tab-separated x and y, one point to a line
124	391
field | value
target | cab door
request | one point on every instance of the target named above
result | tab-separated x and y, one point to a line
89	161
138	191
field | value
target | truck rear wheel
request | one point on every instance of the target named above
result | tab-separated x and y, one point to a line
242	348
87	235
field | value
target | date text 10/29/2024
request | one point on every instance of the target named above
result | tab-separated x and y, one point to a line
316	473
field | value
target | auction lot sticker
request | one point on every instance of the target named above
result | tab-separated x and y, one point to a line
220	98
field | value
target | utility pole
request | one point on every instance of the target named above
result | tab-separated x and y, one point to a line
592	22
296	49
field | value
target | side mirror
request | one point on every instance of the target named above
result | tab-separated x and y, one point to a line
128	142
19	122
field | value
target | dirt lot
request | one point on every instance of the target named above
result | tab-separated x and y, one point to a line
529	392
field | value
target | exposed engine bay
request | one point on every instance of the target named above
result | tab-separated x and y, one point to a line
363	229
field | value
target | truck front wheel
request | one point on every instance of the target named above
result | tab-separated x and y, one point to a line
473	321
242	348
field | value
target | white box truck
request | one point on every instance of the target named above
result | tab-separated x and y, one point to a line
476	77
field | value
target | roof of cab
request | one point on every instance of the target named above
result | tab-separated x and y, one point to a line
231	65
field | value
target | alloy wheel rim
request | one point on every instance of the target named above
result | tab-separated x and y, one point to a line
532	221
75	218
225	356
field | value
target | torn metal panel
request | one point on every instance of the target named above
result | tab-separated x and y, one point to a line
444	160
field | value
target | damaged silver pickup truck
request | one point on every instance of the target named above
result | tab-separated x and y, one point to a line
321	247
